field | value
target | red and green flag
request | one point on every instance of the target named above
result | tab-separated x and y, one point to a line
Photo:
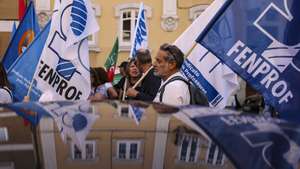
22	8
111	61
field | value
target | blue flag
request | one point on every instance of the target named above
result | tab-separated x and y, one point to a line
140	39
262	45
30	111
13	31
73	119
137	113
22	71
249	141
22	37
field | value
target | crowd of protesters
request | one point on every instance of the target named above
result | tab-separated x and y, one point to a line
142	79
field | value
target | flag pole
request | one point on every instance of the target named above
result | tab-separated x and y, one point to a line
124	89
35	72
190	50
145	74
142	78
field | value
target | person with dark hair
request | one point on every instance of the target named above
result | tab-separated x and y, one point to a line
5	92
168	62
123	67
132	76
149	82
101	88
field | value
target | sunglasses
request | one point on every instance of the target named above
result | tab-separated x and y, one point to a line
170	49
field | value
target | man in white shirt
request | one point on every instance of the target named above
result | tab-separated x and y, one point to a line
167	65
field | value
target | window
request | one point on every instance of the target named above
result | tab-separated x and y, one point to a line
93	40
196	11
189	148
123	110
127	14
88	153
3	134
215	156
128	149
128	21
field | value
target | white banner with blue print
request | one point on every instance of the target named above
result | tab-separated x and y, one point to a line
63	71
203	68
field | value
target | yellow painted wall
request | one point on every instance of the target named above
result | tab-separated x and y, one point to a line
109	26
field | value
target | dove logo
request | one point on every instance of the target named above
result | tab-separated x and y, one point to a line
285	145
56	79
79	122
79	17
284	49
65	68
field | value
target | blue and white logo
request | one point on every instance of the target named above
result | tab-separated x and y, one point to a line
73	119
79	17
284	49
263	48
65	68
269	143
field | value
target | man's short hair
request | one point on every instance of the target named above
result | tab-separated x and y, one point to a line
143	56
175	54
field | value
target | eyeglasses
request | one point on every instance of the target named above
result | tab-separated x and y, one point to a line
170	49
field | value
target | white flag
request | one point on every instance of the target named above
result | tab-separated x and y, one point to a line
63	71
201	66
140	39
73	119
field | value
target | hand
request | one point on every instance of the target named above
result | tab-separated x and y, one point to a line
131	92
26	99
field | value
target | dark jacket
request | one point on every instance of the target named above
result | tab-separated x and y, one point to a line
149	87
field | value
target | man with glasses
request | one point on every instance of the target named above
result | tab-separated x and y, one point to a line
167	66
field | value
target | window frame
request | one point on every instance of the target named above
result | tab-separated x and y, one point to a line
5	134
84	153
188	154
132	19
121	112
93	42
127	149
134	8
215	155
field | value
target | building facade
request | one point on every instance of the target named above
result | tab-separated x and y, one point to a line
159	141
16	148
166	20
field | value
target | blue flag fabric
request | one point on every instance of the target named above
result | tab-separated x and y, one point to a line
137	113
249	141
140	39
262	45
13	31
30	111
73	119
22	71
22	38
